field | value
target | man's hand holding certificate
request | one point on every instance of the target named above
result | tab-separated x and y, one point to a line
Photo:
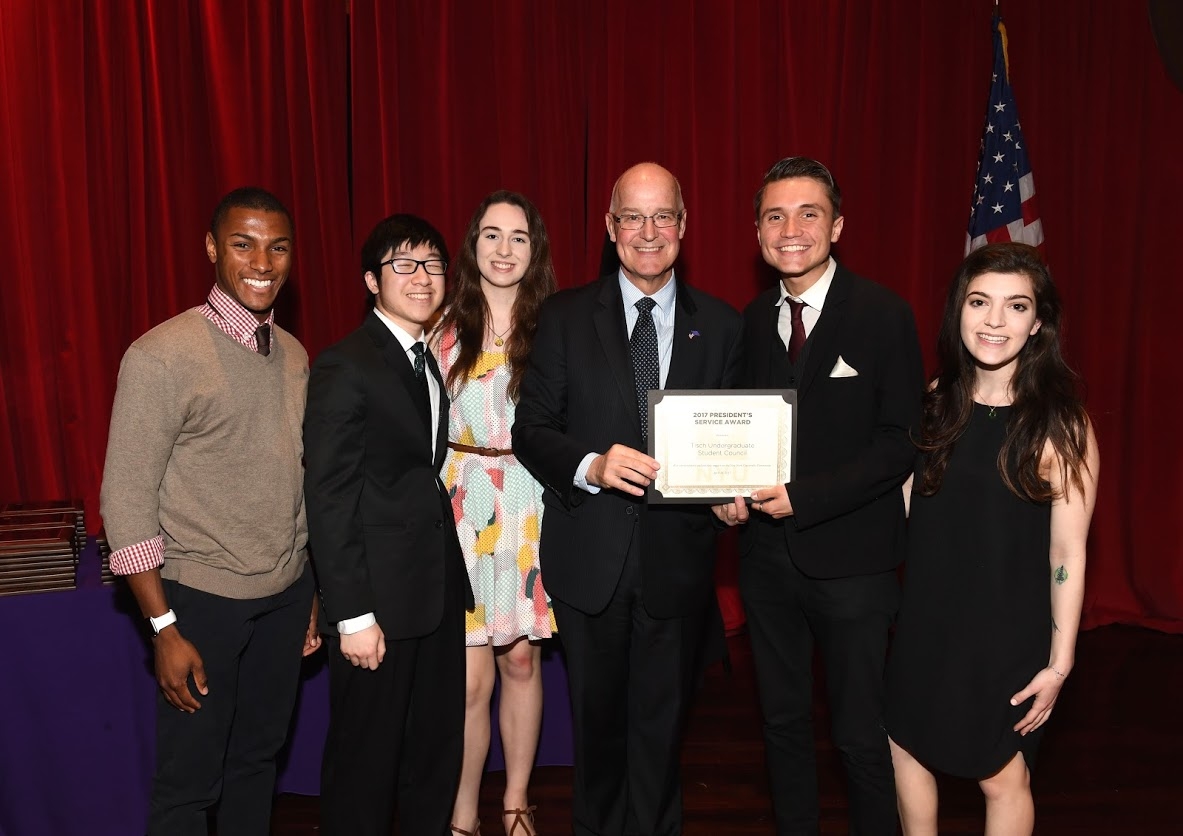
624	469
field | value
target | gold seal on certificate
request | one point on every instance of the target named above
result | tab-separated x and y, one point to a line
715	445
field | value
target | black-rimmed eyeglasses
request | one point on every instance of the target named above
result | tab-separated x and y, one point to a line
407	266
635	220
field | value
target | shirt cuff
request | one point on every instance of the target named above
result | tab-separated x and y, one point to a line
355	625
580	480
138	557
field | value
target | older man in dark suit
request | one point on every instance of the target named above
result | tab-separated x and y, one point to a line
631	583
391	574
818	555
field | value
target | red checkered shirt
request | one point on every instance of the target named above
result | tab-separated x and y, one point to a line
239	324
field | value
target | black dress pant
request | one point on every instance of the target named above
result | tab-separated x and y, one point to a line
396	734
225	751
848	619
631	678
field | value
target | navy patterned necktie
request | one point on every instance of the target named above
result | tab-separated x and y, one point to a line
646	362
423	399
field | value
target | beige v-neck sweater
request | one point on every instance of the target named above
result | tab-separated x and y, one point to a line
206	450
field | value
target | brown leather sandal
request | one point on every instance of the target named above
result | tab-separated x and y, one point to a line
522	817
476	830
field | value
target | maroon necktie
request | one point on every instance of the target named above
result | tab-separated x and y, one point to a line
797	337
263	338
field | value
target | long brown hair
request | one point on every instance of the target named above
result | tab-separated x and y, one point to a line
1046	406
467	310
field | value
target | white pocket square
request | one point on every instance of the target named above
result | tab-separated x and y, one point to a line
843	369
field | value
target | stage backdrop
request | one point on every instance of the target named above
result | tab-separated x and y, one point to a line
122	122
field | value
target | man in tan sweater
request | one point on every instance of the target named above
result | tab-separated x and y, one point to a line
203	504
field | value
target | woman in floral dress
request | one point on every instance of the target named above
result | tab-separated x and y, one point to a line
502	274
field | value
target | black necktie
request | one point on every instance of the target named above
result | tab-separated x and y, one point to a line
263	339
797	337
420	364
421	375
646	363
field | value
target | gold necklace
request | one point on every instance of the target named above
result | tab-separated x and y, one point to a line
498	339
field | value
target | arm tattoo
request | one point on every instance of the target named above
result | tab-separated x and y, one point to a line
1060	575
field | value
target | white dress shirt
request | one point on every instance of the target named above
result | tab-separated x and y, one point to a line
663	322
814	299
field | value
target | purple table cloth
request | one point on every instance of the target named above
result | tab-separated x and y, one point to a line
77	708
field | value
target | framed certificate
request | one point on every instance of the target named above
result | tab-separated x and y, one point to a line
714	445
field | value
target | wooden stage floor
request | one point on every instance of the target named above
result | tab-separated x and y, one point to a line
1111	761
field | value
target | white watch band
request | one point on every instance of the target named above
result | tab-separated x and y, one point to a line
161	621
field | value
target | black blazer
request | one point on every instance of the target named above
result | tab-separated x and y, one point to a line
853	444
379	520
578	397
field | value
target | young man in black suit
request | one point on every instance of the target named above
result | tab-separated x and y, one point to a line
818	555
392	578
630	583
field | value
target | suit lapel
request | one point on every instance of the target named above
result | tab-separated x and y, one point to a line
827	334
441	428
775	348
613	337
686	358
396	359
763	345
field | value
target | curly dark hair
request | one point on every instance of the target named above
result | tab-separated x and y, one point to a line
1047	405
466	310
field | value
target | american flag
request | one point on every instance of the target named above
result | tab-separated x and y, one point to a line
1003	206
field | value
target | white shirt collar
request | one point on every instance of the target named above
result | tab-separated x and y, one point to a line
815	296
664	298
404	339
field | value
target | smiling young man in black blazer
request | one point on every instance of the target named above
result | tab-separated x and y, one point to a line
818	555
392	578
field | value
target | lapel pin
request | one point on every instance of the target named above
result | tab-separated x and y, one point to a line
694	334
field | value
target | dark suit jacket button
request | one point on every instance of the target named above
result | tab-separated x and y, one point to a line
439	523
629	510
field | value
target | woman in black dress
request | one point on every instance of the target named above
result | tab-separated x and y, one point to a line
1002	497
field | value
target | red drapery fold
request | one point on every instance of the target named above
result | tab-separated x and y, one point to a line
123	121
454	100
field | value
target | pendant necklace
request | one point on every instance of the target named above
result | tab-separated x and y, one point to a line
498	339
993	413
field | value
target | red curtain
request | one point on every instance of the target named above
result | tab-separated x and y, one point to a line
123	121
453	100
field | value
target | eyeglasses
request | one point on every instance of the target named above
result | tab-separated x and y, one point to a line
661	220
407	266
